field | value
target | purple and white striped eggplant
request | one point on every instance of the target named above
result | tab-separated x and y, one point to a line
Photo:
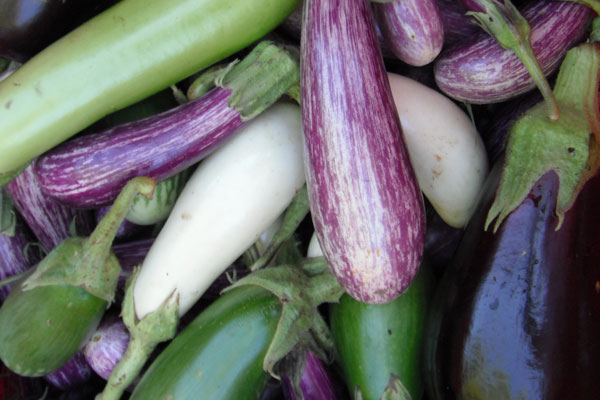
365	202
49	220
412	29
15	256
481	71
90	170
107	346
74	373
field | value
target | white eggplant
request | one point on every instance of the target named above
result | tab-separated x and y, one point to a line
446	151
229	201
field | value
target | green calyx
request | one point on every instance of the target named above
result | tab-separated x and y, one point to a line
504	22
568	146
145	334
88	262
301	289
294	215
261	78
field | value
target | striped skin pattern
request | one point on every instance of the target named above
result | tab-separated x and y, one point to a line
48	219
481	71
366	206
413	29
91	170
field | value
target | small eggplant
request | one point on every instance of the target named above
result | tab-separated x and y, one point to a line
73	373
481	71
412	29
365	201
50	314
107	346
316	383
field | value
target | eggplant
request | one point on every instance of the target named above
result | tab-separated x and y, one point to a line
481	71
412	29
457	25
220	354
51	312
73	373
317	382
375	341
15	255
27	26
107	346
516	314
365	202
90	171
49	219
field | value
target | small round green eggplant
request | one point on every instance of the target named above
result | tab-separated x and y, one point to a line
220	354
49	315
375	341
42	328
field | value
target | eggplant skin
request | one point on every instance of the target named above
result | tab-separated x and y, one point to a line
220	354
517	313
480	71
376	340
42	328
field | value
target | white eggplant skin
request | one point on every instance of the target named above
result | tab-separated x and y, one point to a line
366	205
446	151
229	201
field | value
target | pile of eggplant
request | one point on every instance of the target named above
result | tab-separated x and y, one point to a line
299	199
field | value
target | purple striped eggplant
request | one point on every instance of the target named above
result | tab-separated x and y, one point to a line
413	29
91	170
49	219
365	202
107	346
74	373
481	71
15	256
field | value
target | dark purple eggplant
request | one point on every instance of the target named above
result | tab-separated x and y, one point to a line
517	312
481	71
317	382
412	29
457	25
131	254
75	372
49	220
91	170
27	26
365	202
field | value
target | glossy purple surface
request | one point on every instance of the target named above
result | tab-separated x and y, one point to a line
481	71
90	171
365	203
316	382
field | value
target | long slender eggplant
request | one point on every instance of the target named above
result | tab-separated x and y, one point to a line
517	312
481	71
91	170
412	29
49	219
365	202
